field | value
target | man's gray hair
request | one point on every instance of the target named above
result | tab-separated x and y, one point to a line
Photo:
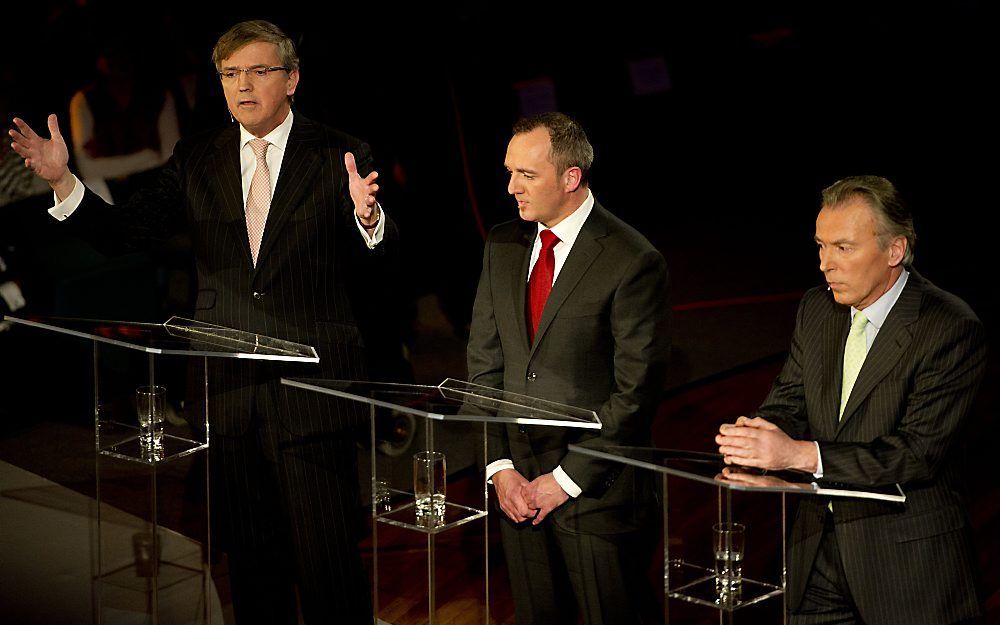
892	216
245	33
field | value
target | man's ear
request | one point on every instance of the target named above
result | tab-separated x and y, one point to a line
897	250
572	179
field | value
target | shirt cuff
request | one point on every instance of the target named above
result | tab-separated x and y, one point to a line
375	237
496	466
819	462
64	209
566	482
12	296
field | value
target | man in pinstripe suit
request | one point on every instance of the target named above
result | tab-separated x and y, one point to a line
919	359
286	255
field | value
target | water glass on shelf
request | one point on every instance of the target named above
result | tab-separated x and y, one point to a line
150	403
728	543
429	483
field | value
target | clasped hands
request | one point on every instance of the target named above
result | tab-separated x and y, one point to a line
756	442
522	500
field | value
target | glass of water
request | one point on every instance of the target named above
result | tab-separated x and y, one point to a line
150	403
728	542
429	483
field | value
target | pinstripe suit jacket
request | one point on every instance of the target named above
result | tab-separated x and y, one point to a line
905	563
601	344
311	264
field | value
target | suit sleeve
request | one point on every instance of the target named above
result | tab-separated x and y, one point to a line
484	355
939	399
785	404
146	220
640	329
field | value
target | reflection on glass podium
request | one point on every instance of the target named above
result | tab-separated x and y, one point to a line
50	565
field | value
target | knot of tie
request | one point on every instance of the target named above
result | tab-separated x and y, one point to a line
259	147
859	322
549	240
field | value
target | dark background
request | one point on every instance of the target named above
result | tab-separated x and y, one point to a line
766	105
745	113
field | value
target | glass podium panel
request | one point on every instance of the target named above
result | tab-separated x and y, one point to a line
159	374
447	427
455	400
710	469
693	578
178	336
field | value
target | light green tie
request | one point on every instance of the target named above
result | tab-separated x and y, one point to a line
854	356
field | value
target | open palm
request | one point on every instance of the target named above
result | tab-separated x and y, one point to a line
46	157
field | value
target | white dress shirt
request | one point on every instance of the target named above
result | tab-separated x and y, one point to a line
278	138
567	231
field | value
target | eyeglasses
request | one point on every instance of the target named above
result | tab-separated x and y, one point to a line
232	74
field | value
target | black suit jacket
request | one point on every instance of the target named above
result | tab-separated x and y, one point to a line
601	344
311	266
905	563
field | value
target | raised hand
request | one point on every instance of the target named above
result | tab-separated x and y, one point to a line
363	192
46	157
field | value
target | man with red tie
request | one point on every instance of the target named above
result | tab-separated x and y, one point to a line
572	308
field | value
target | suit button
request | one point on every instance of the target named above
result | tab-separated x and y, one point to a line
532	376
522	429
258	295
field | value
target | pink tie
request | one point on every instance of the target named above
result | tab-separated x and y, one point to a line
540	282
259	198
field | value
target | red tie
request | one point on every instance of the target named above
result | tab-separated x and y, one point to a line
540	283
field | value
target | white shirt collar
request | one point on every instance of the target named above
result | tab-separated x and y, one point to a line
879	309
569	228
278	138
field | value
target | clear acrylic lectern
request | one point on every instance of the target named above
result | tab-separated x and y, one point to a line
148	569
688	579
455	409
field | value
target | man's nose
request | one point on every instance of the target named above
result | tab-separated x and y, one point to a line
244	82
512	187
824	261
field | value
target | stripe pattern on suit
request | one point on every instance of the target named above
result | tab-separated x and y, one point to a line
903	421
283	463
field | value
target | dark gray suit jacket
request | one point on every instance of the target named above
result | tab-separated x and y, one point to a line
601	344
905	563
311	266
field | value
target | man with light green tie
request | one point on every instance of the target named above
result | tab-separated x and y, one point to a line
881	373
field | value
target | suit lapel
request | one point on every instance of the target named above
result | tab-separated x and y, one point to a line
585	250
298	167
890	343
834	337
514	269
225	163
